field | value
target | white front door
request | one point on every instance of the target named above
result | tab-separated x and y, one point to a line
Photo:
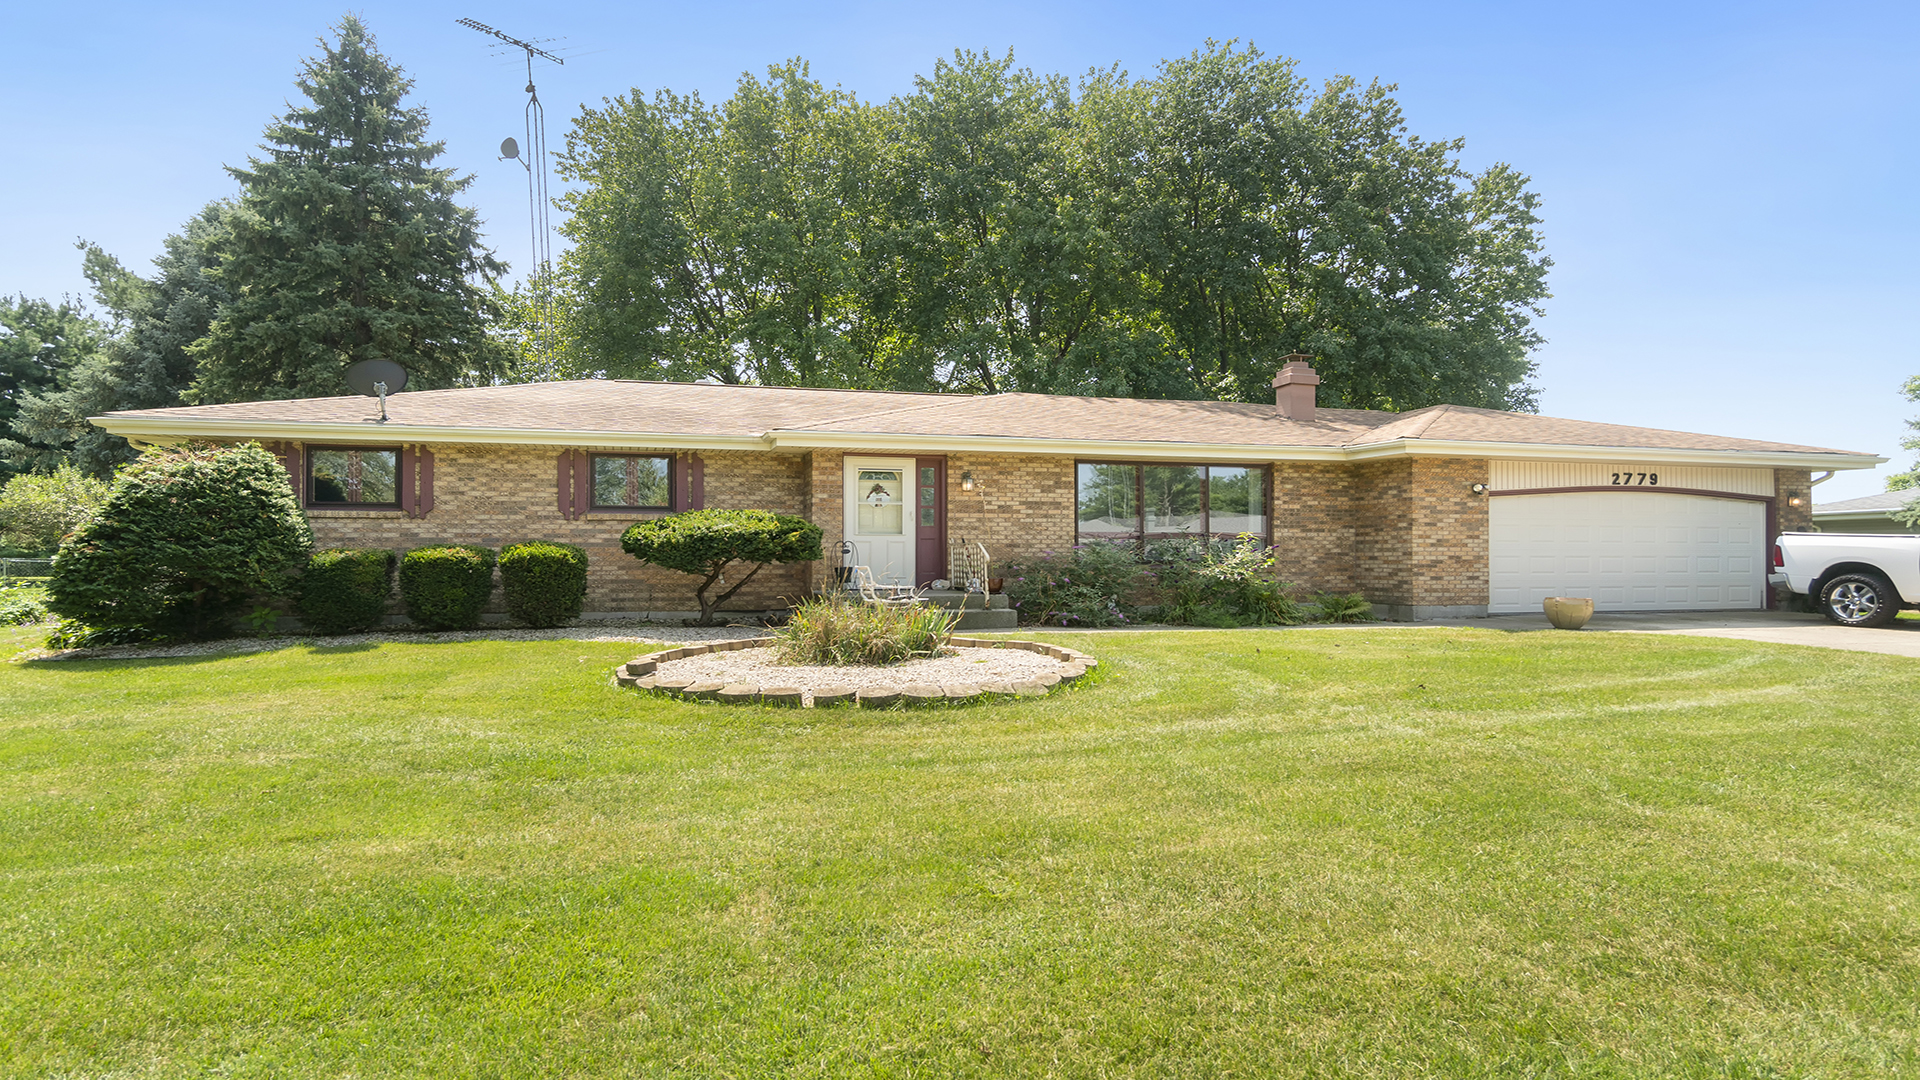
878	520
1628	550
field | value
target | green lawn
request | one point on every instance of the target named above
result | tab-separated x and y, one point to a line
1387	852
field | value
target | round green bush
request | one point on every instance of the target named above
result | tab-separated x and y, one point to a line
345	590
188	536
445	588
545	583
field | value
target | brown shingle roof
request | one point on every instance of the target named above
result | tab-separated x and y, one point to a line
631	408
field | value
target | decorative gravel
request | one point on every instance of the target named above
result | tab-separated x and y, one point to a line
957	666
670	634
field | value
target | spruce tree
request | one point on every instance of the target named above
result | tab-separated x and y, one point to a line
348	246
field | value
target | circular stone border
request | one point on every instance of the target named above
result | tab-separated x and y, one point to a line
640	673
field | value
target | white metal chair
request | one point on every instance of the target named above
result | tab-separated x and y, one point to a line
870	591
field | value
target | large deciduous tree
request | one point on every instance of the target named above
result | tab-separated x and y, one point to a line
347	245
999	230
39	342
143	364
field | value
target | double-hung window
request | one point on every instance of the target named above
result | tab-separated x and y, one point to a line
1126	501
632	482
360	476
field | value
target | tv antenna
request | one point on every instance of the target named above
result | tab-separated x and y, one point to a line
533	158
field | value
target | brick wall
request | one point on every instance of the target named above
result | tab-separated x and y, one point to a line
1404	531
497	495
1447	562
1313	524
1383	530
1021	505
1790	484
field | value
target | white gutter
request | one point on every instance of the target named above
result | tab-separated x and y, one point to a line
166	429
1786	459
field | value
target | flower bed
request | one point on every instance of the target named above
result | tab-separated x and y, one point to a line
1012	669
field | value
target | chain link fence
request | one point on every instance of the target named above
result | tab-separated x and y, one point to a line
25	568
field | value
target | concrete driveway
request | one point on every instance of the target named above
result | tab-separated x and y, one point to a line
1779	627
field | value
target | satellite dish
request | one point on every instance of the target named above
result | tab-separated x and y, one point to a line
365	377
509	148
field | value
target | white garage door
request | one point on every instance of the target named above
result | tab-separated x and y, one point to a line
1628	550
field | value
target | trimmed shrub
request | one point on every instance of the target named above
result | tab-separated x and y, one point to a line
345	590
832	629
188	535
445	588
705	542
1083	586
545	583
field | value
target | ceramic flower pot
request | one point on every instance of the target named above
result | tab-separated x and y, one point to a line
1567	612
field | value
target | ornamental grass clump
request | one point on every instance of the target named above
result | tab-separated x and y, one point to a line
345	590
835	630
446	588
545	583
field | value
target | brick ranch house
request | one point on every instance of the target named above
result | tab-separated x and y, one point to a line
1443	511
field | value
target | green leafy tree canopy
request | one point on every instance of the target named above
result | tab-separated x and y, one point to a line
39	342
705	542
347	245
143	363
997	230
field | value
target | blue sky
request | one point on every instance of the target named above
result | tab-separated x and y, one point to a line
1727	187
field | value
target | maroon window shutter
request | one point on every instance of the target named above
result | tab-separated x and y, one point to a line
582	483
408	503
289	455
563	482
696	483
423	495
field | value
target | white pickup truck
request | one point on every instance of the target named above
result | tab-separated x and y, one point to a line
1855	579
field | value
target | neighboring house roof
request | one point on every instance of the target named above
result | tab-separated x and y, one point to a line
1881	505
718	416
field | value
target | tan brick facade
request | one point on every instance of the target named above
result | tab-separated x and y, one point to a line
1788	485
1407	532
498	495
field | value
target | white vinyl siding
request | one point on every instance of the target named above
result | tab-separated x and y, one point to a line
1532	475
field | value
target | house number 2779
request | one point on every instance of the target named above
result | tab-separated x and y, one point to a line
1645	479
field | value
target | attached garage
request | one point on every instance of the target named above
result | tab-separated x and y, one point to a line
1641	548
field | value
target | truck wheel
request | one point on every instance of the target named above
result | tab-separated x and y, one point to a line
1859	600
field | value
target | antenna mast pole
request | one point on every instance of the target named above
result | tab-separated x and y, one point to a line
538	204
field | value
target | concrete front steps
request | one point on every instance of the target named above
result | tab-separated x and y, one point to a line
996	615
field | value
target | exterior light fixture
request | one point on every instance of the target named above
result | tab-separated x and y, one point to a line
1795	501
1479	489
966	480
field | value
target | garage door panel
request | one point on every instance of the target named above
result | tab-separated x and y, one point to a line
1628	550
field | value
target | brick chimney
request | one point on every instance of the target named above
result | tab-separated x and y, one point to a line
1293	391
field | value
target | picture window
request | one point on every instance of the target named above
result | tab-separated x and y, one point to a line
1126	501
356	477
632	482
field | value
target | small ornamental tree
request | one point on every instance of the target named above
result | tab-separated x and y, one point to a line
705	542
187	536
